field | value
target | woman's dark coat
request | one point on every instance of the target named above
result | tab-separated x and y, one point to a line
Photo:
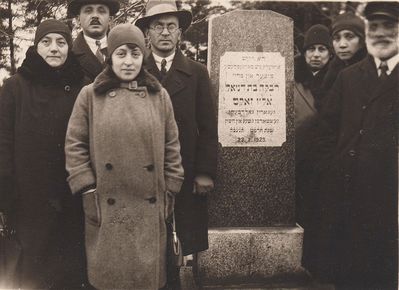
336	65
357	153
188	85
307	98
35	106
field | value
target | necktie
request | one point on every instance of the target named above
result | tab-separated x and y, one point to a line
383	69
163	68
99	53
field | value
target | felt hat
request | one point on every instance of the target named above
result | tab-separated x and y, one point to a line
75	5
348	21
125	34
156	8
317	34
388	10
53	26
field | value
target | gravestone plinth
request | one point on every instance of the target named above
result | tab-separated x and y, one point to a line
253	236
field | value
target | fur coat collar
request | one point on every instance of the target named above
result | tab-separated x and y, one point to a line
107	80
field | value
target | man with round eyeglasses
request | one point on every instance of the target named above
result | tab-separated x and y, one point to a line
188	85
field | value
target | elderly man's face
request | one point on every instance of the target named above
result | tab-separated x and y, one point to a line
164	34
94	20
382	38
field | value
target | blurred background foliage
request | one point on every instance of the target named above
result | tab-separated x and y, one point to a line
18	19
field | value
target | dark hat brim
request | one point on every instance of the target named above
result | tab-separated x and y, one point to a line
75	5
185	17
381	14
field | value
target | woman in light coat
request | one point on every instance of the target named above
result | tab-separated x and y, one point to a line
122	154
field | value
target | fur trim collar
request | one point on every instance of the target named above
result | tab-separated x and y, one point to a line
107	80
35	68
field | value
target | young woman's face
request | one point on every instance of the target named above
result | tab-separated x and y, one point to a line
346	44
53	48
127	62
317	56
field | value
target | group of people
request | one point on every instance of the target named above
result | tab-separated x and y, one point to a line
346	103
103	140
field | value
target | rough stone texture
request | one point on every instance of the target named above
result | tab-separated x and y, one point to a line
255	255
255	186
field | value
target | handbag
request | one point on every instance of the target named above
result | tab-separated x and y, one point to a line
174	259
10	254
174	249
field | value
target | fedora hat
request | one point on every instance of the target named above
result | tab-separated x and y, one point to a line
75	5
157	8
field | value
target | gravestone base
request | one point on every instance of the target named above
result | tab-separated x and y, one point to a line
251	256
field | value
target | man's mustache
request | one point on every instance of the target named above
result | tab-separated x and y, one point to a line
384	40
95	22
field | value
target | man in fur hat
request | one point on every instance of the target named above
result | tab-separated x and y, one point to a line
188	85
94	16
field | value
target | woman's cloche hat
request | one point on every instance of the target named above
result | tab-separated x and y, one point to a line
125	34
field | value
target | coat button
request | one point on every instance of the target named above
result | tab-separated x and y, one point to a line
362	131
347	177
142	94
111	201
112	94
364	107
108	166
67	88
152	200
352	153
150	167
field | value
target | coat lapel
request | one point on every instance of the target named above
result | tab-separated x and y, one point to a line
174	81
180	69
151	67
374	87
87	59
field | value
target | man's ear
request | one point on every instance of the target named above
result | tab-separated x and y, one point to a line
78	20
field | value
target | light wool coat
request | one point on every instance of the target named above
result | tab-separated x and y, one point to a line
124	141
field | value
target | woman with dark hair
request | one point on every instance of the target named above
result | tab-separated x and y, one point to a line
123	156
347	32
35	106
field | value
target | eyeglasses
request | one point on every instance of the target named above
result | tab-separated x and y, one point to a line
170	27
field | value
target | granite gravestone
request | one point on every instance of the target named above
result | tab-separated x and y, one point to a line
253	237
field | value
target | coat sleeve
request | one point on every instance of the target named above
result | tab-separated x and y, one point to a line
173	168
7	124
327	127
207	142
77	146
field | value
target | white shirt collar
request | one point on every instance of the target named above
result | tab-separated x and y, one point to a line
91	42
392	62
169	60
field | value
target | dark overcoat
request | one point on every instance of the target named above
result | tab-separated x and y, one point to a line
35	106
91	66
188	85
125	142
358	219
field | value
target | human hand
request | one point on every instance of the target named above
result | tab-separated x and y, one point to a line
202	184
